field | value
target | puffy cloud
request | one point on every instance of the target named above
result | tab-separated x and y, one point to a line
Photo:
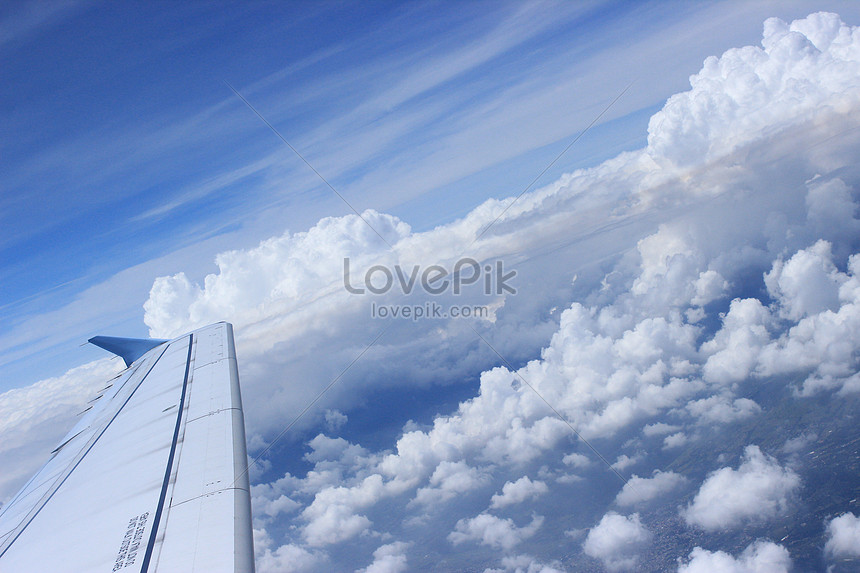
576	460
821	306
493	531
759	557
518	491
617	541
283	504
808	283
843	537
448	480
638	489
271	278
734	351
333	517
624	461
389	558
287	558
722	409
749	91
675	440
822	344
659	428
759	489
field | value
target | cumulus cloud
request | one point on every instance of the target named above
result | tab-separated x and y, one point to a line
722	409
576	460
287	558
822	344
808	283
617	541
448	480
517	492
758	490
389	558
676	440
638	489
820	303
493	531
755	90
843	537
624	461
761	556
333	515
659	428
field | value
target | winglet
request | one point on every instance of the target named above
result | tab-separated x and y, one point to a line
129	349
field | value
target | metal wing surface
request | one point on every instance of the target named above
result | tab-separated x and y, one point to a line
154	475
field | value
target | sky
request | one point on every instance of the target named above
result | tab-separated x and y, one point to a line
674	186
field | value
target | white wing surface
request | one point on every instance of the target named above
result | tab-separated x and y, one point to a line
152	478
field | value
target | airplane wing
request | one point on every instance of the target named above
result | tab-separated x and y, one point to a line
154	475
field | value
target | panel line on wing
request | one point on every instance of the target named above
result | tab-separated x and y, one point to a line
166	482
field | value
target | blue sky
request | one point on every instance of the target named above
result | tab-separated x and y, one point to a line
689	250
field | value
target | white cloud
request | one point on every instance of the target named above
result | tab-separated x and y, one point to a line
517	492
749	91
638	489
760	489
735	349
288	558
821	306
659	428
759	557
333	517
722	409
576	460
807	284
448	480
676	440
389	558
493	531
821	344
281	505
617	541
843	537
624	461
